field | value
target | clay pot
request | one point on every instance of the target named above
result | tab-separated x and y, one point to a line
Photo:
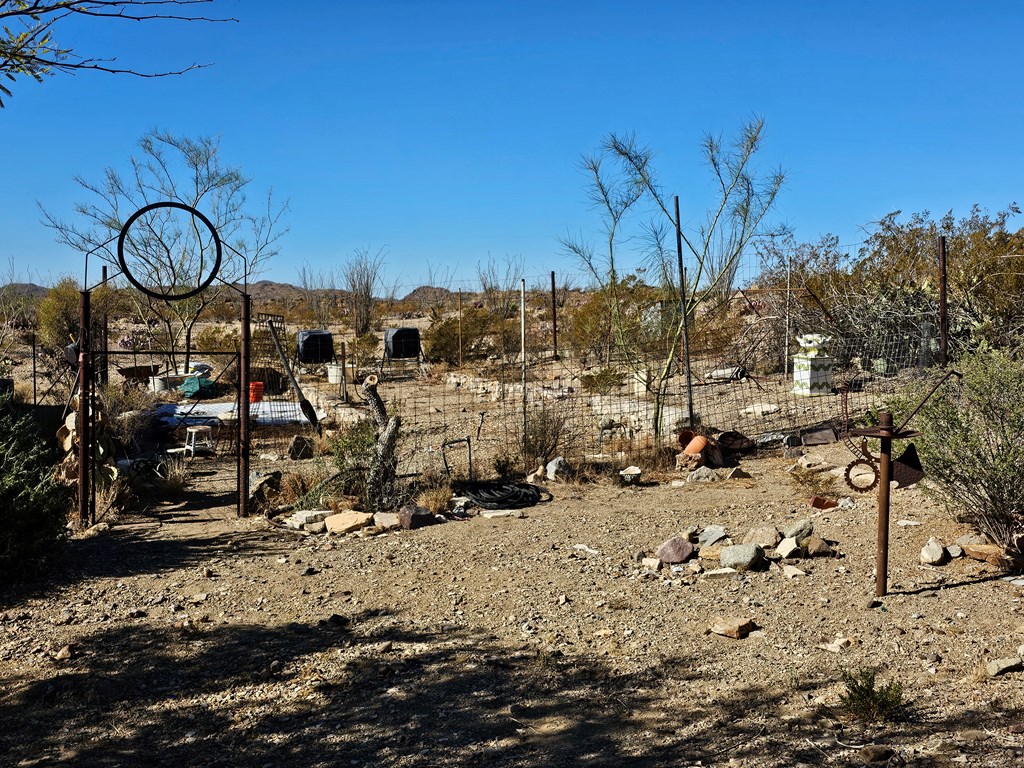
696	445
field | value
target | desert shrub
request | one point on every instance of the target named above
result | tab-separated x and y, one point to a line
177	476
353	450
868	702
129	410
33	507
506	467
217	338
441	340
603	381
586	328
364	350
972	444
548	432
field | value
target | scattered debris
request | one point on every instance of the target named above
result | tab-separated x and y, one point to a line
630	475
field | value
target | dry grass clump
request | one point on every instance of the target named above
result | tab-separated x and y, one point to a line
435	498
814	482
178	476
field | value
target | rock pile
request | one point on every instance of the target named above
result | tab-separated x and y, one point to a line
760	547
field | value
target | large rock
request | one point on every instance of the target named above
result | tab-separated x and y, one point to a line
702	475
742	557
815	546
710	535
386	520
558	469
801	529
788	548
346	522
765	536
989	553
998	667
675	550
306	517
411	517
735	627
933	553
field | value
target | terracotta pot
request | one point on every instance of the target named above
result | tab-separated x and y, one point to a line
696	446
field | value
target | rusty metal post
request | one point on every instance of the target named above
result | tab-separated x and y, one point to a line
243	407
554	316
943	308
884	475
344	375
683	312
104	370
460	327
35	398
84	437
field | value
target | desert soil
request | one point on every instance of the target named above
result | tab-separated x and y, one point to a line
183	636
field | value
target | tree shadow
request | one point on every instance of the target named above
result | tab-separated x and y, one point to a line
375	690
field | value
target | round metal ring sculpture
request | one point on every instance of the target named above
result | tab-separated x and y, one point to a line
148	290
848	475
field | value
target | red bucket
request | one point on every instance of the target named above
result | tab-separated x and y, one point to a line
255	391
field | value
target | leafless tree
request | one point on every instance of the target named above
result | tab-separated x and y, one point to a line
362	275
168	249
621	176
29	29
320	292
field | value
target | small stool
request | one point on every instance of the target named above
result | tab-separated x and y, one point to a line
199	439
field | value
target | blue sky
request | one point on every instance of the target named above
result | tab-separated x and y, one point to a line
448	131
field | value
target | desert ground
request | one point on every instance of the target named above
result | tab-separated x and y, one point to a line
183	635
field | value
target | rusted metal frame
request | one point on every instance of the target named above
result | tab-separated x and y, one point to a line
84	432
554	317
243	406
943	308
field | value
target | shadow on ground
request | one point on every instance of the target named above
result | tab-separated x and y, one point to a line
368	691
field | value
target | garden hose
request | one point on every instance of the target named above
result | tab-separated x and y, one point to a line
503	495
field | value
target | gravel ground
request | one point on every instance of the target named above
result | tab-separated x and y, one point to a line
187	637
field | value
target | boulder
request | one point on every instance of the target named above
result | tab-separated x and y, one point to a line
735	627
411	517
788	548
815	546
801	529
558	469
386	520
765	536
742	557
998	667
675	550
988	553
933	553
710	535
702	475
346	522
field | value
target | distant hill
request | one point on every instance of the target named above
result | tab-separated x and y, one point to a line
26	289
428	294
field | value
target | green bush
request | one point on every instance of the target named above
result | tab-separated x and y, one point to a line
33	506
972	444
353	450
870	703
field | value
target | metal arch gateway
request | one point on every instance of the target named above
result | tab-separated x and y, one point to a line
157	294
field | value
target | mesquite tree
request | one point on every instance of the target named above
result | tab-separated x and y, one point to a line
621	179
169	250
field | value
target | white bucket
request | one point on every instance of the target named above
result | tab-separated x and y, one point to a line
335	373
158	384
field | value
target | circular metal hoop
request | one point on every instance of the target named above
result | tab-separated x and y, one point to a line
149	291
848	475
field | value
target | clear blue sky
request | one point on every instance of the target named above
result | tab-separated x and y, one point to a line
447	131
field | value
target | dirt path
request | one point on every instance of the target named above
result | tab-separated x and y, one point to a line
196	639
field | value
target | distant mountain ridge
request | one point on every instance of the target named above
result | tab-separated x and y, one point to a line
26	289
